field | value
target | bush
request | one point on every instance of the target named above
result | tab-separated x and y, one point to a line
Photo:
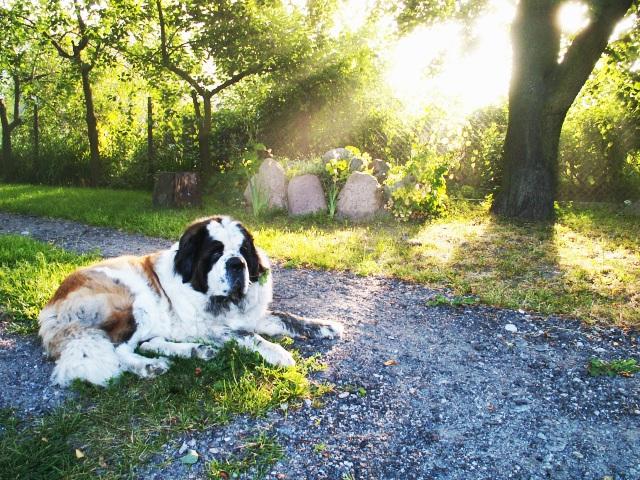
419	188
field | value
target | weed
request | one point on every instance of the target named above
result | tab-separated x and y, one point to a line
320	447
257	455
456	301
623	367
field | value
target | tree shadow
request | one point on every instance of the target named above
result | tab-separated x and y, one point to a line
549	269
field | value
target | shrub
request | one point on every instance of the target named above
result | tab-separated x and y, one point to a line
418	188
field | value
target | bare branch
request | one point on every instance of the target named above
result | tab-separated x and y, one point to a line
237	77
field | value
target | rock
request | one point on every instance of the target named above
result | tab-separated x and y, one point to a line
356	164
380	169
305	195
360	198
183	448
343	395
510	327
339	153
271	182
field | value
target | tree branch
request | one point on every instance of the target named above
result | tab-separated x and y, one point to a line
166	60
583	53
237	77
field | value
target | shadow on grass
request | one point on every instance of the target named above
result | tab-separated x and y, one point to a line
544	268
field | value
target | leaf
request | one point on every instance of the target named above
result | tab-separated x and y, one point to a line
79	454
264	276
190	458
391	362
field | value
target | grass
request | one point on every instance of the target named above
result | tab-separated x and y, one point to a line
586	265
106	432
256	456
30	272
624	367
119	427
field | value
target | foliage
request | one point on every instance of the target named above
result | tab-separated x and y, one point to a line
623	367
418	188
336	173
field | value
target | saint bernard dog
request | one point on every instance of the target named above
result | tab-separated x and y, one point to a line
212	286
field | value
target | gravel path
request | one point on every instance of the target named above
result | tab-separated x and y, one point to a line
465	398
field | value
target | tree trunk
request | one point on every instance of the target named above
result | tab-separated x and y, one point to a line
541	92
95	163
36	140
6	164
150	151
204	135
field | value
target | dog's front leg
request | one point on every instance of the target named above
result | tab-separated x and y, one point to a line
179	349
281	323
271	352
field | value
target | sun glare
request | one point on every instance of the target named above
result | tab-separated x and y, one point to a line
435	66
573	17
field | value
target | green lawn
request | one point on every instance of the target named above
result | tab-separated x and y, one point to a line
109	431
586	265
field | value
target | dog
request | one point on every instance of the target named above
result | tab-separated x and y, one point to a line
212	286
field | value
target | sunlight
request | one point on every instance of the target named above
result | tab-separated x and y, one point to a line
435	66
573	17
350	16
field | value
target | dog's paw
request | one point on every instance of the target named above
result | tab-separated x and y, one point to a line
156	367
329	329
276	355
204	352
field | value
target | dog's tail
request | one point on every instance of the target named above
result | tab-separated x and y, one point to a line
81	352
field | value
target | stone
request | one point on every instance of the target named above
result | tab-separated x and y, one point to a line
510	327
356	164
272	181
305	195
360	198
339	153
380	169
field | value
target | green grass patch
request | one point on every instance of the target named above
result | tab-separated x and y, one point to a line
256	458
586	265
119	427
30	272
624	367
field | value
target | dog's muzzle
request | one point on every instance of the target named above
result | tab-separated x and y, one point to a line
235	267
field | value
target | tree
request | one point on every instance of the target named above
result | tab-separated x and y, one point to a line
212	46
541	92
86	34
18	65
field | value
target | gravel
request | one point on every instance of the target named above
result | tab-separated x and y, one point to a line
421	392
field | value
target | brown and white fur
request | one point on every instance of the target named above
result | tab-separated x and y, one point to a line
210	287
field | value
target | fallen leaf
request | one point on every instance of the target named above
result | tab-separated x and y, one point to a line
190	458
390	363
224	475
79	453
45	439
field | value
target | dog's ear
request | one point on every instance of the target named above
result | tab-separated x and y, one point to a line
255	263
189	249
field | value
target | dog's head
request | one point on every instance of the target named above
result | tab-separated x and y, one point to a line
217	256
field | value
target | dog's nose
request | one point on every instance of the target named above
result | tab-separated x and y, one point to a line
235	264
